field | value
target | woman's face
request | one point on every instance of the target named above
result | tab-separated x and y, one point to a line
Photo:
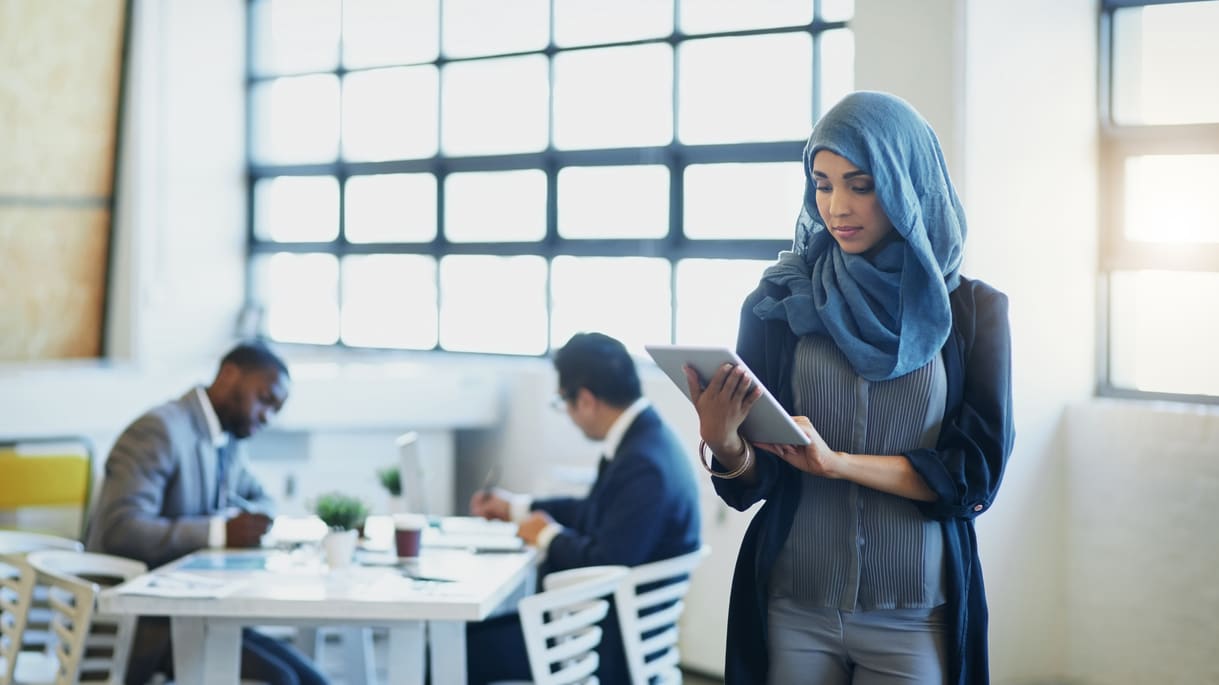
847	201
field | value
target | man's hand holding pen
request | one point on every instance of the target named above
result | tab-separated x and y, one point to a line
246	529
490	504
247	525
489	501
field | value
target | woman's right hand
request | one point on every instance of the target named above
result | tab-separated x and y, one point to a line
722	406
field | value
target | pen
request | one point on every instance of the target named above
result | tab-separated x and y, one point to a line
490	481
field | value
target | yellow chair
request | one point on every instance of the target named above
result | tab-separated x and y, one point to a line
46	484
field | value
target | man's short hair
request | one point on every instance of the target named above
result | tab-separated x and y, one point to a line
602	365
254	356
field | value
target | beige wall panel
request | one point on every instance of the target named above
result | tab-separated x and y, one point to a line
58	96
52	282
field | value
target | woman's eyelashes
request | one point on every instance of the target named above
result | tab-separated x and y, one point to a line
860	189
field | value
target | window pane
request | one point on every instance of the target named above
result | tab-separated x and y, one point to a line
390	114
391	208
382	32
296	208
614	202
496	106
837	10
296	120
493	304
295	36
1171	198
592	294
1164	61
837	67
748	201
706	16
709	297
390	301
479	27
613	97
495	206
587	22
301	297
723	100
1164	327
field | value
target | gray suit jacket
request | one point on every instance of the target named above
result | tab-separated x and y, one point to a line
160	486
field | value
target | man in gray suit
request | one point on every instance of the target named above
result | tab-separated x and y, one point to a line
176	481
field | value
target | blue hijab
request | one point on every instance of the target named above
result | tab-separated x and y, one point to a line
886	309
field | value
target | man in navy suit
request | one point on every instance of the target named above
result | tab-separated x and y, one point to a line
643	506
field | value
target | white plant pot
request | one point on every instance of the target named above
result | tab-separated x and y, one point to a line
396	504
340	547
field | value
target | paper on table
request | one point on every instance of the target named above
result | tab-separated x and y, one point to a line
493	542
476	525
177	584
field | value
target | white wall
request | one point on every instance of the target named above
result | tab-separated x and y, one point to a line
1142	603
1010	89
1031	153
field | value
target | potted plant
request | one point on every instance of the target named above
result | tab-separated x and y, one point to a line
390	478
343	515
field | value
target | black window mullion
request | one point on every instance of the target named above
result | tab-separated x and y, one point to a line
674	156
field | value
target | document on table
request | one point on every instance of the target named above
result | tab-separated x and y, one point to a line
468	532
178	584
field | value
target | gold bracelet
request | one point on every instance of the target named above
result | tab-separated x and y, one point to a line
737	473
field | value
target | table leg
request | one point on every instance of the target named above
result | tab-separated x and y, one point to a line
406	664
447	645
206	652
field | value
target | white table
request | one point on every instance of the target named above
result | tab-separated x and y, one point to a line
207	631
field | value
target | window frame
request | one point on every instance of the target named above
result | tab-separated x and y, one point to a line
1118	142
675	156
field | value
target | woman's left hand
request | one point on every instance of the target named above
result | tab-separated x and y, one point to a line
815	458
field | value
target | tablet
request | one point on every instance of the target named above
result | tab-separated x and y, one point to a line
768	421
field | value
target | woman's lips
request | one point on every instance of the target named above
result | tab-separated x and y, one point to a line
847	231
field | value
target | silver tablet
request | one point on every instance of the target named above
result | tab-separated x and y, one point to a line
767	420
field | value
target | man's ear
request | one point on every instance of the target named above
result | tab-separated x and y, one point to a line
585	397
227	376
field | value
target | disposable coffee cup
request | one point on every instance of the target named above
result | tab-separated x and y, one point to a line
408	529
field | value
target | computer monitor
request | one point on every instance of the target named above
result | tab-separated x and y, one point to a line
413	474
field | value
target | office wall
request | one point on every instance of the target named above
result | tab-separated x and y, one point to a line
971	68
1142	604
1030	154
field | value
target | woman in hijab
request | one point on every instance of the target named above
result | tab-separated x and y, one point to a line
862	566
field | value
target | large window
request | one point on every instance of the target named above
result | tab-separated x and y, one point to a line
495	175
1160	175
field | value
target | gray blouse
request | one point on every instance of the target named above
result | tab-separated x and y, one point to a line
852	547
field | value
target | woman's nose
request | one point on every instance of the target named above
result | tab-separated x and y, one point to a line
840	205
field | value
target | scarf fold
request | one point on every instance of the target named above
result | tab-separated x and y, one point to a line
887	309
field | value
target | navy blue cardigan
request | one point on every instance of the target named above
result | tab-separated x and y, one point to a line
964	470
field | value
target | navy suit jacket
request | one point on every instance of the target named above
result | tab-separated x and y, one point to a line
643	507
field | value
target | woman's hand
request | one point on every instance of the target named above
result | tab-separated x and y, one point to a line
722	406
816	457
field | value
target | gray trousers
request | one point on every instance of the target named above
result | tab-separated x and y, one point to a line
819	646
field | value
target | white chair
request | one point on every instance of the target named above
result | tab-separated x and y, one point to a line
649	602
561	624
29	660
21	542
16	593
86	645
